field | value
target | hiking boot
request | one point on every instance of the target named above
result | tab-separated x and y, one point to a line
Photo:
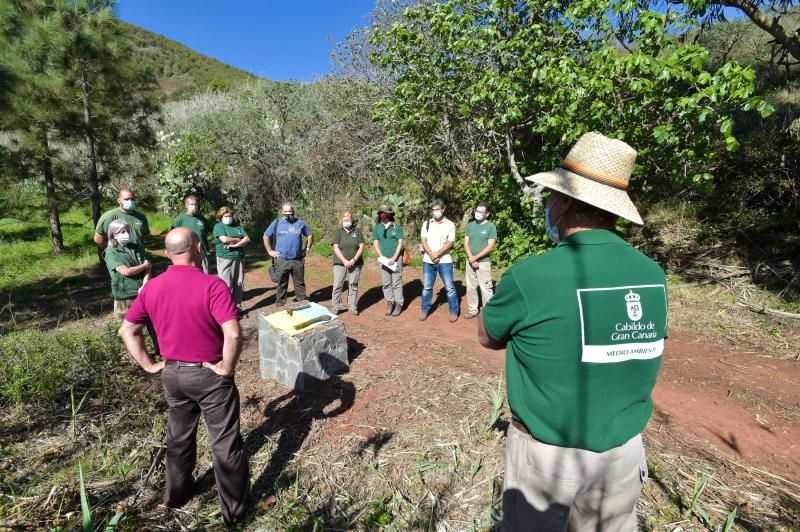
389	308
335	311
353	311
470	316
423	316
397	308
453	318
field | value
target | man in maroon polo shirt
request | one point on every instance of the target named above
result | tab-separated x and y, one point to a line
196	322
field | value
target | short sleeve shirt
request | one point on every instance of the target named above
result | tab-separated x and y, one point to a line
123	287
438	235
187	308
137	222
288	237
235	230
387	237
198	224
585	325
479	236
348	242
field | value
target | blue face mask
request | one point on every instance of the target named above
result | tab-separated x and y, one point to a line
129	204
551	229
123	238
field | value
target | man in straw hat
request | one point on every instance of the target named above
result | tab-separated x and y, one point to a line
584	327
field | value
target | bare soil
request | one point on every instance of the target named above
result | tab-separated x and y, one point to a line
742	404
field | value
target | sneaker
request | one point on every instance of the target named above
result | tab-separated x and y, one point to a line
453	318
353	311
470	316
423	316
389	309
335	311
397	308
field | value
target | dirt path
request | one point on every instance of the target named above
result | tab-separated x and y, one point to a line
709	400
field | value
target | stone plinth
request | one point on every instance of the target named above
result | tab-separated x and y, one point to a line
302	360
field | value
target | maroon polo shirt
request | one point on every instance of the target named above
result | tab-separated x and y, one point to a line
187	308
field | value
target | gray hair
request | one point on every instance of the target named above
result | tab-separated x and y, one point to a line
115	228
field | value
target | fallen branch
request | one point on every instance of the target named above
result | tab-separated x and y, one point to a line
768	311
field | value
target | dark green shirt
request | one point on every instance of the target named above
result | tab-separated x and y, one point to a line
479	236
234	231
137	223
123	287
585	325
348	243
387	238
198	224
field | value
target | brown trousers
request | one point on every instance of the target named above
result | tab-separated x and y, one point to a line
191	391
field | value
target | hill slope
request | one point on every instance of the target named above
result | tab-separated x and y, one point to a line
179	69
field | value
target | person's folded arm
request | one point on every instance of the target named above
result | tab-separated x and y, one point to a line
231	347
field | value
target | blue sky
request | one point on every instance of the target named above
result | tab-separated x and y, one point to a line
276	39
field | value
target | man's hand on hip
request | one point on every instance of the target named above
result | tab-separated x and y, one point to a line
219	368
155	367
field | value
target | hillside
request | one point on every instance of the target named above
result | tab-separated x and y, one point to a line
179	69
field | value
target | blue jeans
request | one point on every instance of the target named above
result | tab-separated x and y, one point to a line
445	271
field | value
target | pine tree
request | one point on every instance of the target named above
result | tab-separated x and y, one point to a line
33	107
115	103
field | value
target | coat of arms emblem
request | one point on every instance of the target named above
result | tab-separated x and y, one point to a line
632	299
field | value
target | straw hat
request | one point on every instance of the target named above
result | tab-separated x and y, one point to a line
596	171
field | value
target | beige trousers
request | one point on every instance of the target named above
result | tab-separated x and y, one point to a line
478	279
339	275
232	272
550	488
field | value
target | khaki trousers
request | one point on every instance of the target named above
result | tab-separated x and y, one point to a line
232	272
392	283
549	488
475	279
339	274
191	391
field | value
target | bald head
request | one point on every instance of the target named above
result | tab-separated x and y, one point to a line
183	246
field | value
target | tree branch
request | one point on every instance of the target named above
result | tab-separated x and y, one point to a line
789	41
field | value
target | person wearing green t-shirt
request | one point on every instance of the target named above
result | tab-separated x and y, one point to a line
584	327
479	241
127	266
387	240
126	210
230	239
192	219
348	247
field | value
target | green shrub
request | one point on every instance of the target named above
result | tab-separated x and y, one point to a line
39	368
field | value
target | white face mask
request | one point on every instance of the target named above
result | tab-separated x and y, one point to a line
227	220
347	224
480	216
129	204
191	209
438	214
123	238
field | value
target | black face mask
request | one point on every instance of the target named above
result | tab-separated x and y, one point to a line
288	217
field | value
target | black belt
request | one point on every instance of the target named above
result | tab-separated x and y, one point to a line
179	363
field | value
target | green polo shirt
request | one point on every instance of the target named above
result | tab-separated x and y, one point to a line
348	242
137	223
234	231
479	236
198	224
387	238
585	325
123	287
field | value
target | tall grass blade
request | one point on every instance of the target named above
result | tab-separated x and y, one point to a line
86	510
